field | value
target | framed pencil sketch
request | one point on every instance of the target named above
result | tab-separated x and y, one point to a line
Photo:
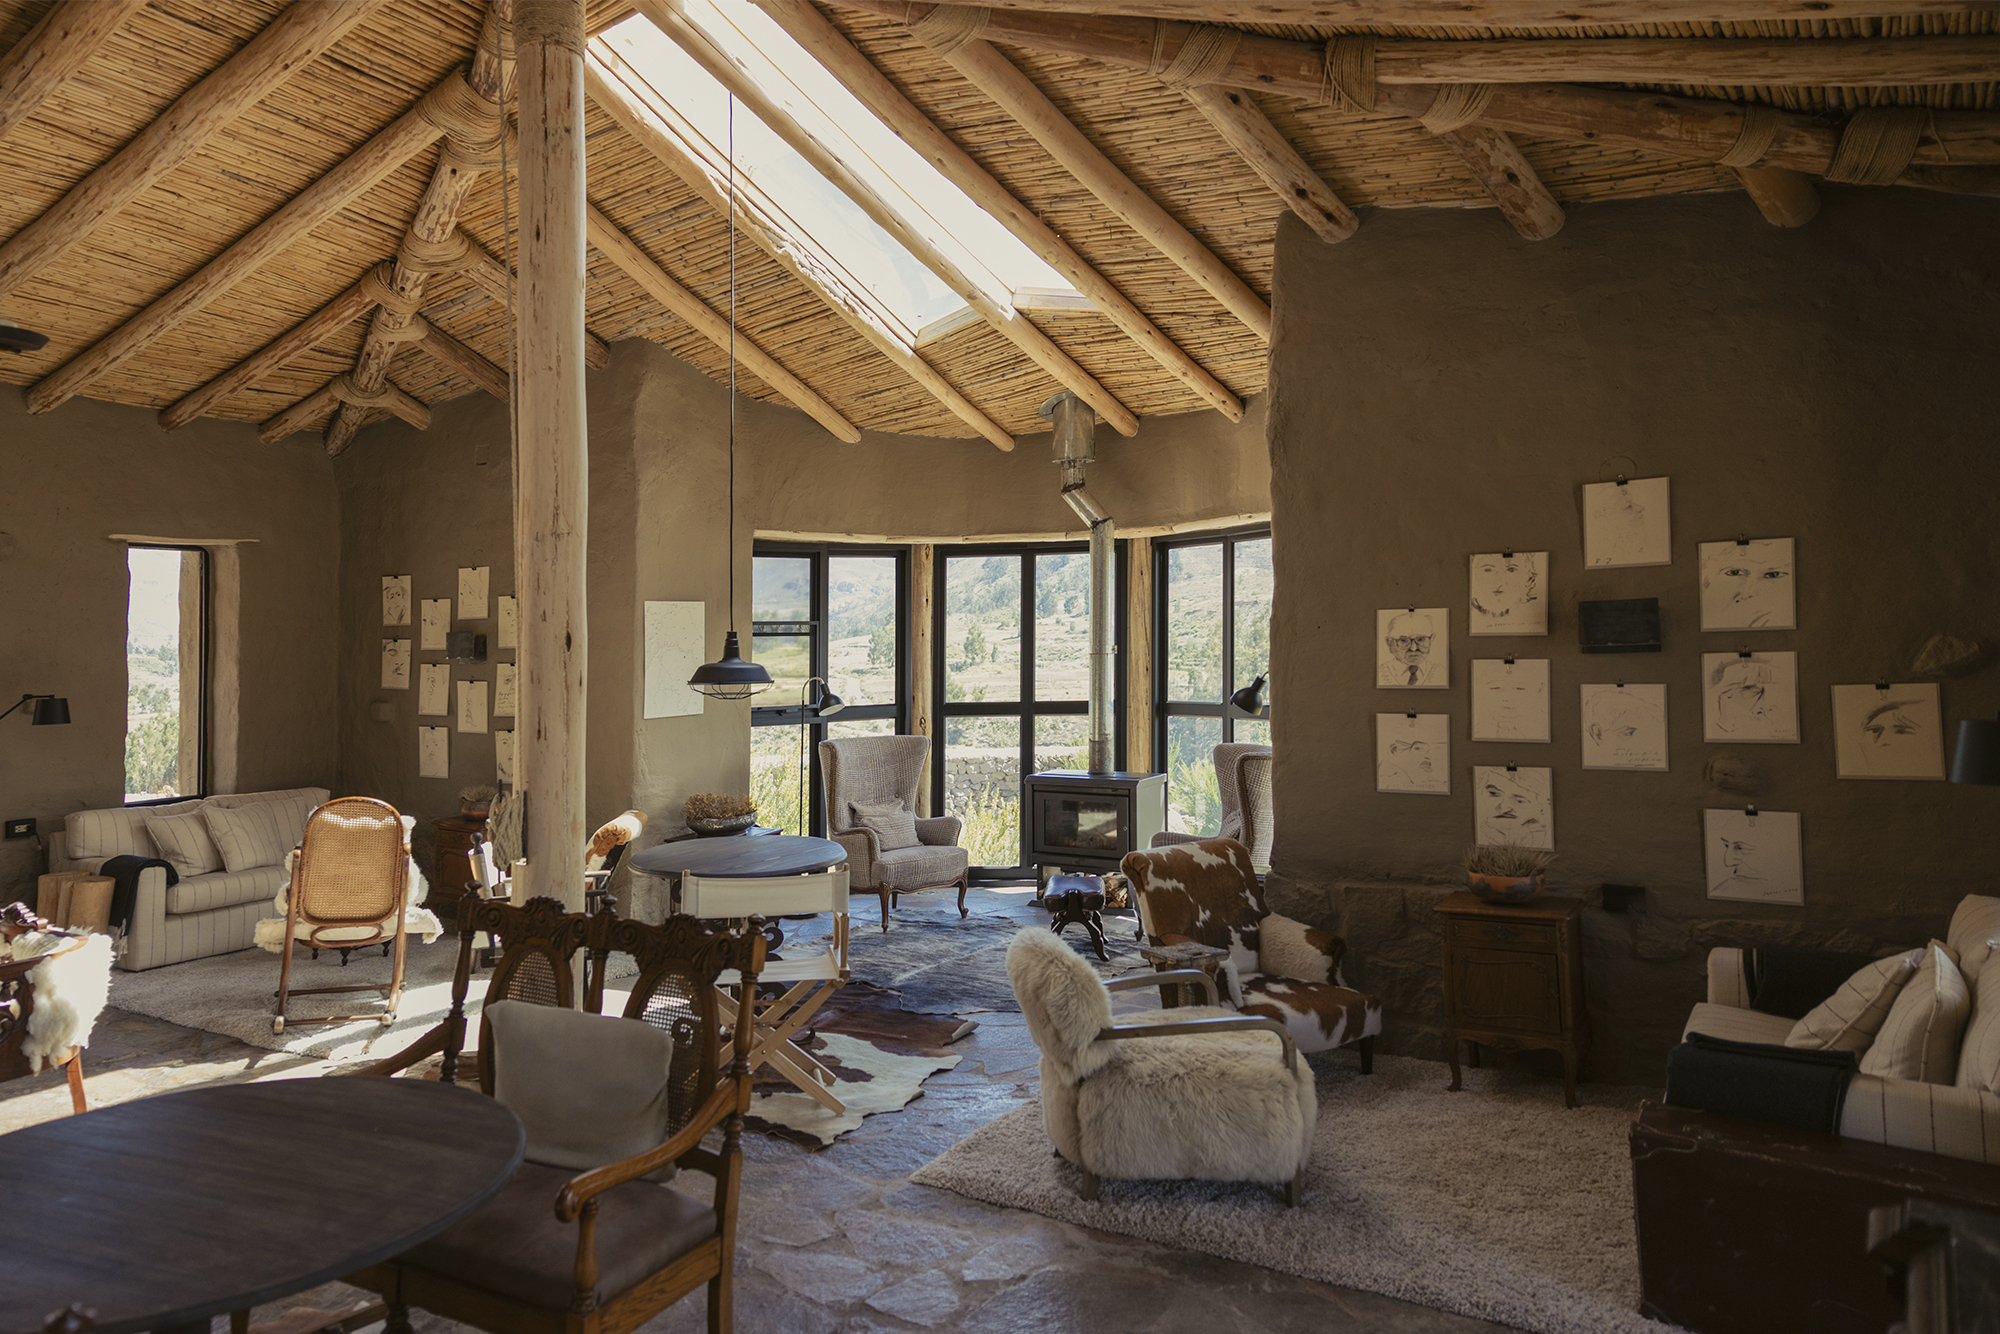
1413	753
1888	731
435	623
1627	523
1625	726
1747	585
1413	648
1510	593
434	688
433	752
473	581
395	664
508	632
1750	697
395	599
1510	699
1754	856
1513	807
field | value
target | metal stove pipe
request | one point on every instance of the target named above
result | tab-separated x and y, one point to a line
1075	434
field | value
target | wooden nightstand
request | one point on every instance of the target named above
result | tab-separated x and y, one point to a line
1513	979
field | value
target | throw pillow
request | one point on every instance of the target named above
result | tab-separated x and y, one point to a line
894	827
1293	949
1974	933
183	840
590	1089
1919	1039
1849	1019
259	834
1979	1057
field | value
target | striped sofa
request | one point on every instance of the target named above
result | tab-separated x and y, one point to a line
201	915
1956	1120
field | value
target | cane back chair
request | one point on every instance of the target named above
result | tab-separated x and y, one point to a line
349	888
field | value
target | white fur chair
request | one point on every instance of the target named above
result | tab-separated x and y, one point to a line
1210	1095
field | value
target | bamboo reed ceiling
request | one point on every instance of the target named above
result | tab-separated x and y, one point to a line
331	105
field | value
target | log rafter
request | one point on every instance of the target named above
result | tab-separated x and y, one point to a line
485	271
1245	128
1501	13
52	50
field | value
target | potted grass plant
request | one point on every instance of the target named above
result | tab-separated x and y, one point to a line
713	813
1506	874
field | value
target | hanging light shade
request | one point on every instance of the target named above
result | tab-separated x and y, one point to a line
51	711
730	677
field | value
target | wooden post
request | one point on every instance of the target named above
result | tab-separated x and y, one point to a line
923	565
551	516
1139	651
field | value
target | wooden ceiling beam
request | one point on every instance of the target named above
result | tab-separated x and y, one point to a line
1503	173
623	251
292	41
1245	128
485	271
1017	329
841	58
463	359
1504	13
640	121
302	414
1785	198
52	50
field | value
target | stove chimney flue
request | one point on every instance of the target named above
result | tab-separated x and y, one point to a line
1075	446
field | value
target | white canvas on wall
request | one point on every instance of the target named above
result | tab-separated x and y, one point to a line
1510	700
1894	731
1413	648
1627	523
503	757
673	650
1748	585
472	582
1750	697
434	688
1625	725
508	632
1754	856
436	618
1513	808
506	689
472	706
1413	753
395	664
1510	594
395	599
433	752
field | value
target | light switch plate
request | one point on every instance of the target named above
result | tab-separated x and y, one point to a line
20	829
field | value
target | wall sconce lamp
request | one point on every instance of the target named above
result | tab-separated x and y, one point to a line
49	709
1978	758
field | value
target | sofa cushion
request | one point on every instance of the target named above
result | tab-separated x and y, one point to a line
1919	1040
183	840
224	889
920	867
1979	1054
895	826
1849	1019
116	832
1735	1025
1974	934
259	833
313	796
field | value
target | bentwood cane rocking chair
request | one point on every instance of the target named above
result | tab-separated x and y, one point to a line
350	887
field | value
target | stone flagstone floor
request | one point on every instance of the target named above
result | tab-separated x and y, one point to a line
839	1239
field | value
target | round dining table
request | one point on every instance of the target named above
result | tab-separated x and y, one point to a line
160	1213
740	858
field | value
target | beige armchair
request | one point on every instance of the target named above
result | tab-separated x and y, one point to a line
1243	778
879	774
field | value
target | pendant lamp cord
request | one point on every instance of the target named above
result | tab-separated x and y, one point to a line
732	362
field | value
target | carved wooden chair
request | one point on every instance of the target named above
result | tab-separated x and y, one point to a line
349	889
599	1251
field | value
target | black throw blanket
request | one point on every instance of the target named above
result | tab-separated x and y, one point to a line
124	872
1787	1086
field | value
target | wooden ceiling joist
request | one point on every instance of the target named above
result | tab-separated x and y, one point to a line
466	361
485	271
623	106
1785	198
623	251
1517	191
1243	124
341	392
52	50
841	58
1503	13
294	39
1059	365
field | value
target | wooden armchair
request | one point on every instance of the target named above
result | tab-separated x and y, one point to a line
596	1251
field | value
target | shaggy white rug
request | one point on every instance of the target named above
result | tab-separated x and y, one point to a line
1496	1202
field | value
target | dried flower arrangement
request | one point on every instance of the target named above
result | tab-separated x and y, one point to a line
478	793
1507	860
717	806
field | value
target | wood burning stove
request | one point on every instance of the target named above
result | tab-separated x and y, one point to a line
1080	821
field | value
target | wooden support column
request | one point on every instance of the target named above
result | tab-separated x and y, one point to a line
1245	127
923	567
551	517
1785	198
307	334
1138	684
54	49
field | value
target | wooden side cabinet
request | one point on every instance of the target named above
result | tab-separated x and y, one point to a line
454	837
1513	979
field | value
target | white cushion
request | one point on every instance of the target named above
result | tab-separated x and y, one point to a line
1974	934
183	840
1919	1040
1849	1019
1979	1054
894	826
590	1089
259	833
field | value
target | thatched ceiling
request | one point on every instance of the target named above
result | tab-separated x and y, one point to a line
331	104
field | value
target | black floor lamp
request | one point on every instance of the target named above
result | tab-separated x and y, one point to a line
829	704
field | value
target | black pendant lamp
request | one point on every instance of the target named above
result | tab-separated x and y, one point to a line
730	677
1249	701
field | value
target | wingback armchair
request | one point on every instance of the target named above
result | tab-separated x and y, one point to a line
1243	780
1207	894
871	810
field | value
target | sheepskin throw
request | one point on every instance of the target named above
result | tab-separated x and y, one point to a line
70	992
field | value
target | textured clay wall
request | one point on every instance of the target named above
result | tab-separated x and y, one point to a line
1440	387
91	469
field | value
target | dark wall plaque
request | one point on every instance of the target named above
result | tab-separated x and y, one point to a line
1625	625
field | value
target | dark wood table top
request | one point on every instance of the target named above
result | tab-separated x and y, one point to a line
740	858
180	1207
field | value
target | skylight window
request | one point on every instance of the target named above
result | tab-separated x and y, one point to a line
900	286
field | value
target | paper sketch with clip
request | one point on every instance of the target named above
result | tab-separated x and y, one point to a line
506	689
395	664
1413	753
1510	593
1413	648
434	688
1750	697
472	585
1510	699
433	752
508	632
472	706
1627	523
503	757
436	621
1888	731
1754	855
1625	726
1513	807
395	599
1747	585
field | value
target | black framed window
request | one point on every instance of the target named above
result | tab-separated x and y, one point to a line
1212	620
166	673
838	613
1011	667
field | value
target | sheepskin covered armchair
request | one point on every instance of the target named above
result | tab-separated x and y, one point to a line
871	810
1206	893
1195	1093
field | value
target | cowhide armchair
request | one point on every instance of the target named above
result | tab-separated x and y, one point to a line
1207	894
